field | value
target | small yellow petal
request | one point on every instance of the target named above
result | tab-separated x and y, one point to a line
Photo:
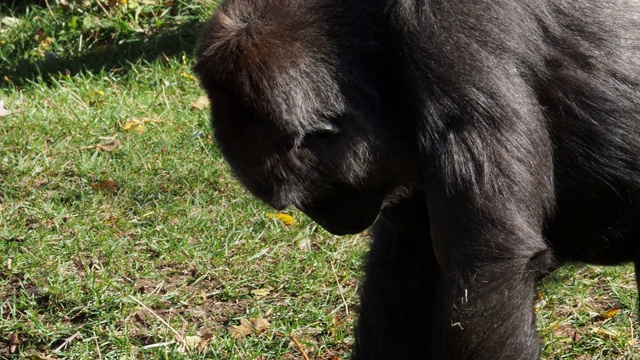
285	218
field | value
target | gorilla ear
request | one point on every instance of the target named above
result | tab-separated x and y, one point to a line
326	128
318	134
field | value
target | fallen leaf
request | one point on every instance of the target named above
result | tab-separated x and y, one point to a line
192	341
239	332
260	324
137	125
261	292
611	313
607	315
10	21
248	327
204	341
3	110
577	337
13	342
201	103
109	145
107	186
45	42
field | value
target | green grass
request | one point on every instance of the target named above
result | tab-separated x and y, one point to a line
86	233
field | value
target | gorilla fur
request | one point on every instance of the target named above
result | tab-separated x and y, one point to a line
484	142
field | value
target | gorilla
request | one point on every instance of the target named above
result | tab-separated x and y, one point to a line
485	143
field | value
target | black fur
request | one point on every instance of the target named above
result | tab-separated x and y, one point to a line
487	141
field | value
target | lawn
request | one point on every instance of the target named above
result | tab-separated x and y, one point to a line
124	235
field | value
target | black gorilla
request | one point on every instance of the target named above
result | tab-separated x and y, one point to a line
486	142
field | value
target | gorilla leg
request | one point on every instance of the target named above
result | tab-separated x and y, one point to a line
400	285
489	269
487	314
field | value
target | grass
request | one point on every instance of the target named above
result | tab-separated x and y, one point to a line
96	220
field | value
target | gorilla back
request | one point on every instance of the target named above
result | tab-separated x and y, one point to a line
485	142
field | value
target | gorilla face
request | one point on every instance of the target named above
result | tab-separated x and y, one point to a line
331	165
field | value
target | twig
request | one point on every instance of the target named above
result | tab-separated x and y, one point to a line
157	288
304	354
346	307
177	334
166	101
95	338
67	341
106	13
50	11
151	346
632	341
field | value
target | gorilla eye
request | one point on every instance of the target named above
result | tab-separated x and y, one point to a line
319	135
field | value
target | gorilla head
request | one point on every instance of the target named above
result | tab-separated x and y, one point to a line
297	111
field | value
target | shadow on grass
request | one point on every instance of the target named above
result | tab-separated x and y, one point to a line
19	6
110	57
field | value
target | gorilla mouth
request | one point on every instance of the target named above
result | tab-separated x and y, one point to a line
346	212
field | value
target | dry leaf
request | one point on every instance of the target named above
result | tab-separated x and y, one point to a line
577	337
137	125
45	42
204	341
260	324
10	21
192	341
238	332
197	342
201	103
13	342
247	327
607	315
107	186
611	313
109	145
3	110
261	292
